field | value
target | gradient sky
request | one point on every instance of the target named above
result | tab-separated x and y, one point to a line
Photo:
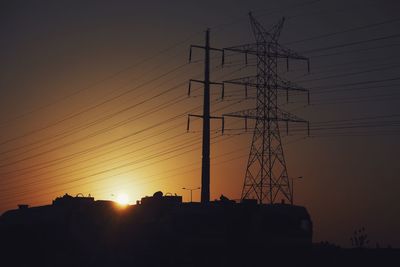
93	100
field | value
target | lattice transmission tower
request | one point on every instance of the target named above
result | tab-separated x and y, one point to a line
266	177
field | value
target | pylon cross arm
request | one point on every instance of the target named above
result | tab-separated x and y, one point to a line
209	117
252	114
277	50
282	50
247	81
252	82
287	85
289	117
246	114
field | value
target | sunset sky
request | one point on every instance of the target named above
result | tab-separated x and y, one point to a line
94	101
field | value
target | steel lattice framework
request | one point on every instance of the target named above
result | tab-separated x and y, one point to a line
266	177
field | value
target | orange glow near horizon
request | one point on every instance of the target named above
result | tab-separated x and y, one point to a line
122	199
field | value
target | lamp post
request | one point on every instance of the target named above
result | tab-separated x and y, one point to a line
191	192
300	177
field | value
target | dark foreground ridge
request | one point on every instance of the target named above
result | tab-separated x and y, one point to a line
163	231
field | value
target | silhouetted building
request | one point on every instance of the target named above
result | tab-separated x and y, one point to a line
157	231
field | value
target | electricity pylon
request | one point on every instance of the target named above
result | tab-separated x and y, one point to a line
205	164
266	178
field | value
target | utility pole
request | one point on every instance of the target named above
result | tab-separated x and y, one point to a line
266	176
205	165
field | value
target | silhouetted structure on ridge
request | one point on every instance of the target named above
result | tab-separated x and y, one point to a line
162	231
94	232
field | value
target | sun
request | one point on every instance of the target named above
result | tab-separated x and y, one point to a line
122	199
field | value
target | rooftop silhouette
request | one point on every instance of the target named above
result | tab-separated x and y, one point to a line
161	230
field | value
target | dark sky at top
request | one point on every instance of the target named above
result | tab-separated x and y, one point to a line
64	64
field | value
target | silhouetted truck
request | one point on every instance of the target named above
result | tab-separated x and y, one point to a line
157	231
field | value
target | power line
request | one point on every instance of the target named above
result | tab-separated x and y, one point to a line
125	165
124	172
100	163
64	134
387	37
93	106
147	112
393	66
364	27
100	81
354	51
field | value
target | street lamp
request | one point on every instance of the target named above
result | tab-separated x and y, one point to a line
300	177
191	192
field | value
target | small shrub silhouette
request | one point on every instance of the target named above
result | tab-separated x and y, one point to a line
359	238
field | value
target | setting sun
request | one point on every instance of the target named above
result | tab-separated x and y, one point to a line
122	199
